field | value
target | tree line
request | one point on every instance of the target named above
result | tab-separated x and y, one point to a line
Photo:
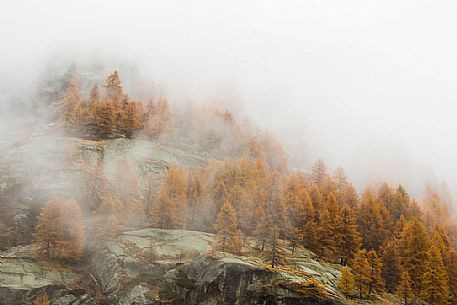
385	240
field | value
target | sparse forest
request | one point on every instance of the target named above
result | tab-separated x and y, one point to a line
385	240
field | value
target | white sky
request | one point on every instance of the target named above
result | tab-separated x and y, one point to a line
369	85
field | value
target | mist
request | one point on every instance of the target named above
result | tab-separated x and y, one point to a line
366	85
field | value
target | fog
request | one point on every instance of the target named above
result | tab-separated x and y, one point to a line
367	85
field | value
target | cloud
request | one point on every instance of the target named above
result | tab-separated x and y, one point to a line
369	85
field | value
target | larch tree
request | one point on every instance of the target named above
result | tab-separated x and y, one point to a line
452	274
72	106
317	199
74	230
93	113
169	209
391	268
130	119
60	229
386	194
399	226
349	239
362	274
311	237
401	204
375	284
49	227
248	183
436	211
195	200
367	272
346	282
413	245
256	181
220	189
274	205
243	202
319	173
341	186
387	223
41	299
264	227
229	237
328	230
352	198
404	289
441	239
274	217
298	207
105	122
434	280
370	222
113	88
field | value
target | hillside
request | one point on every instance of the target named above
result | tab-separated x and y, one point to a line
112	200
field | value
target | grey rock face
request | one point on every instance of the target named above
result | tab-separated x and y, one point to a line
128	277
183	270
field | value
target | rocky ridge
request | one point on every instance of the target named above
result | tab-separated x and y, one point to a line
182	268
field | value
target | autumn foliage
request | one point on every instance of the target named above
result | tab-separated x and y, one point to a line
111	113
41	299
229	236
60	229
382	237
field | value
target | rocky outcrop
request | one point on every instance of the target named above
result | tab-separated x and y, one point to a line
182	269
179	268
23	276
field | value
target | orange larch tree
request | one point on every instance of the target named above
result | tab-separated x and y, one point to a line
297	206
329	228
60	229
41	299
413	246
434	279
229	237
195	200
170	207
349	239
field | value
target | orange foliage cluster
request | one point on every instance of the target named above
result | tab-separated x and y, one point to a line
41	299
60	229
111	114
